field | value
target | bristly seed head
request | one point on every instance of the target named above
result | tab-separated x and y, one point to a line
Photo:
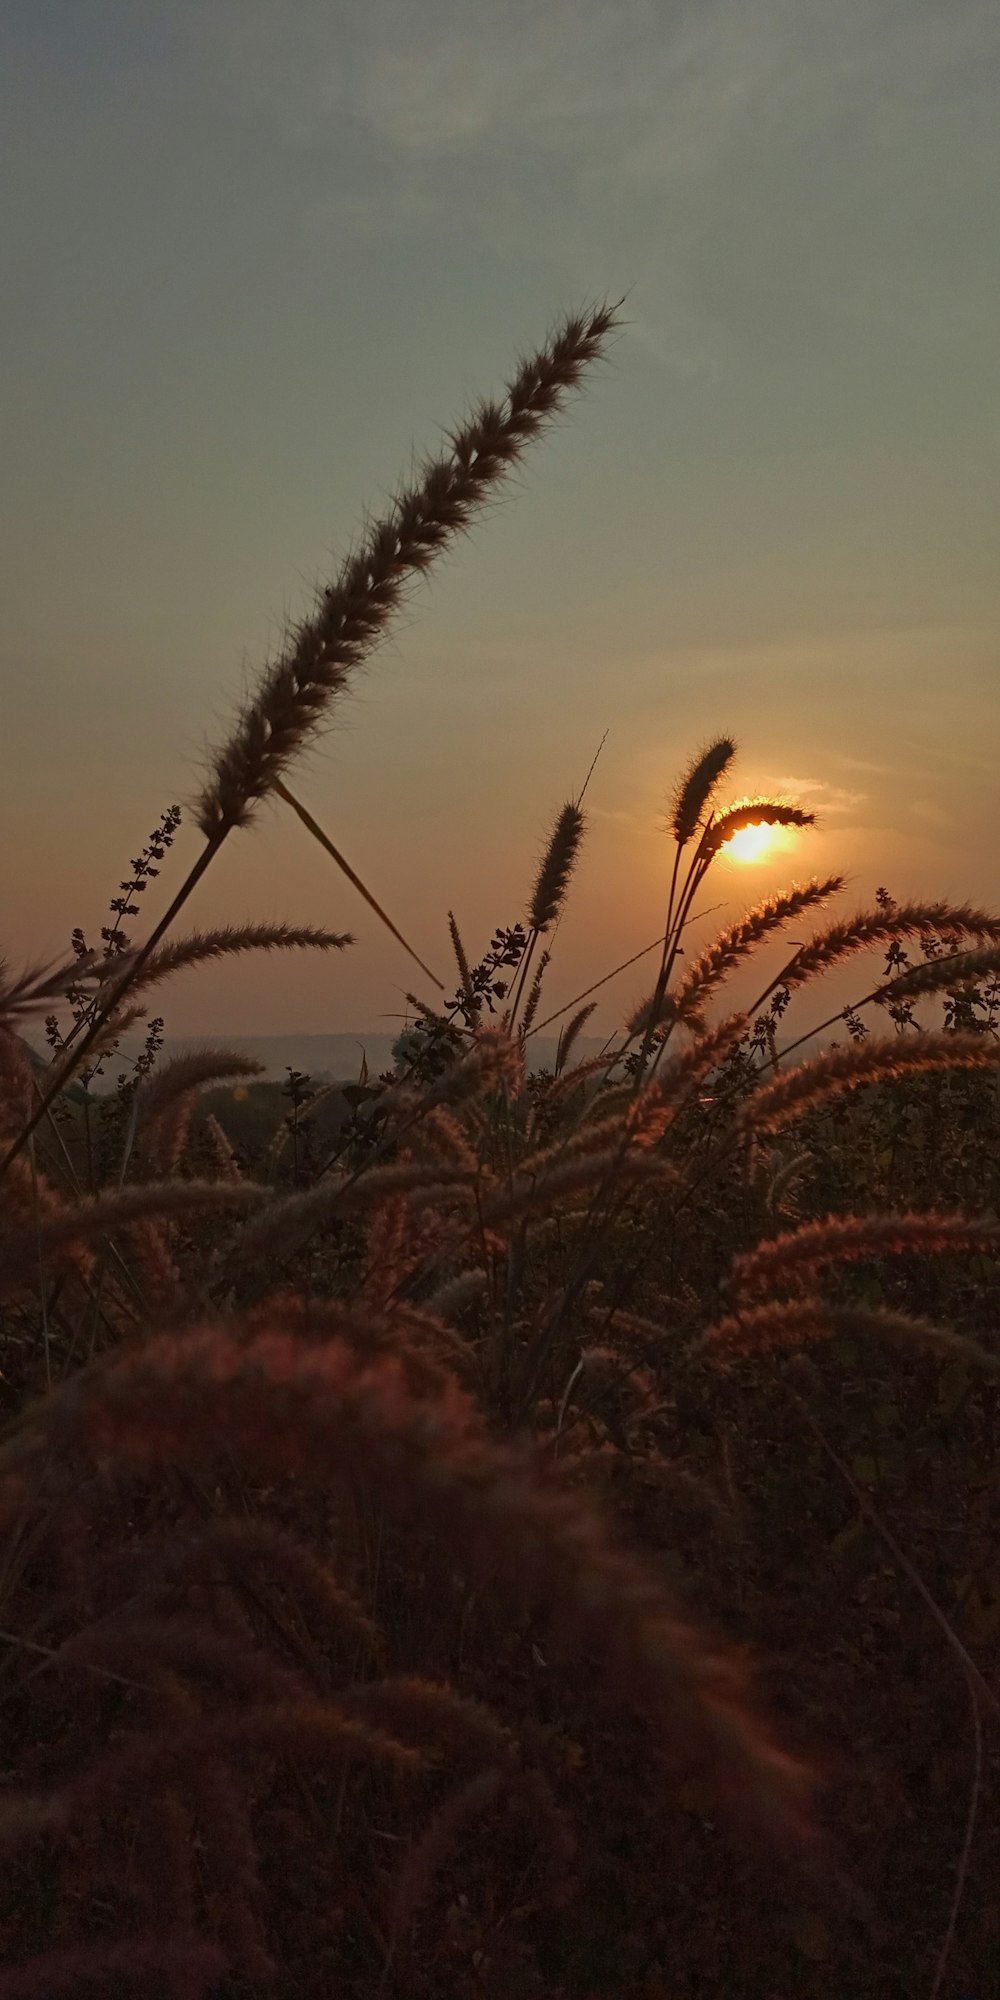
752	812
557	866
294	695
696	788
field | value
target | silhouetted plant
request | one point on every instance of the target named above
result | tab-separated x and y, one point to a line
340	1496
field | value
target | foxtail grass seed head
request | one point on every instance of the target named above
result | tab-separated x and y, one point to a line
792	1323
784	1261
37	989
531	1005
449	1376
188	1073
557	866
728	950
697	788
751	812
944	974
296	692
570	1033
204	946
97	1216
654	1012
881	926
812	1083
464	975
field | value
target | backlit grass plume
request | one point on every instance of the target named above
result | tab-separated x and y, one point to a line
787	1260
295	694
792	1323
653	1021
751	812
732	946
872	927
551	883
798	1090
697	788
231	940
556	868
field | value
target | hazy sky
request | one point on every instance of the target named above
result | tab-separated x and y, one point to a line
256	252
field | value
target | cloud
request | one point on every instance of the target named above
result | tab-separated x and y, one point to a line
933	814
709	154
819	793
865	765
656	85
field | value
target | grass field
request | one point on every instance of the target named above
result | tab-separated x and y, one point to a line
499	1531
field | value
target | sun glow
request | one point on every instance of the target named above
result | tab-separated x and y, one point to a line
751	843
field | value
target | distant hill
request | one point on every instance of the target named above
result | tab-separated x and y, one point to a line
338	1058
326	1058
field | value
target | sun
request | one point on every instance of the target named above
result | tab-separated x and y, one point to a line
751	843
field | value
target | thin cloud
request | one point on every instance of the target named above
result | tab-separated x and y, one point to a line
865	765
820	793
712	156
933	814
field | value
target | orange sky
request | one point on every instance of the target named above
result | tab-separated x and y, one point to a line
259	254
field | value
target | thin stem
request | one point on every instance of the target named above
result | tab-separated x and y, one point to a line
344	865
526	958
970	1827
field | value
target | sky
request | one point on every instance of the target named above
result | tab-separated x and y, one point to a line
257	254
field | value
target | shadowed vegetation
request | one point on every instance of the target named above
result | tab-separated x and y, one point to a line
491	1531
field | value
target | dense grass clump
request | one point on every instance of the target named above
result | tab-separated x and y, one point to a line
480	1530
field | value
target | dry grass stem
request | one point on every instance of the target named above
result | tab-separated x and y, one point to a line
312	826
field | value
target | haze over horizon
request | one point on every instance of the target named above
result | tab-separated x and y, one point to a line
258	255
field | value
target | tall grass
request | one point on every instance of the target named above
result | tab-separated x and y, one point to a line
330	1567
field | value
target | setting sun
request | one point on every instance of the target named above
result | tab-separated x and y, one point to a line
750	843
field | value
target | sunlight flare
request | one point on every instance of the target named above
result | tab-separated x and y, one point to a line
752	843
